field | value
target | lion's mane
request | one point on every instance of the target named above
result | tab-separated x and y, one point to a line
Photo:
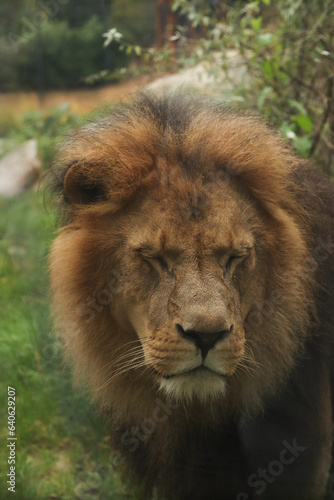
108	166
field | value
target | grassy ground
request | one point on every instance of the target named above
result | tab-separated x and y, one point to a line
62	451
80	101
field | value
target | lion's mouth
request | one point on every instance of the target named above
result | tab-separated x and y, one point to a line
201	369
200	382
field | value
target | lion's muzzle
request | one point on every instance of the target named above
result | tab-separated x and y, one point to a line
204	340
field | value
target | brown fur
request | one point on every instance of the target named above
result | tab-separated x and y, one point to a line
155	201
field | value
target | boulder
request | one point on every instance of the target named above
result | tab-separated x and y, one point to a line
20	169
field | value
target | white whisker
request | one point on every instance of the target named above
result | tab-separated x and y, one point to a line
124	369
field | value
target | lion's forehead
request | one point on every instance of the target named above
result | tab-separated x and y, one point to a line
201	219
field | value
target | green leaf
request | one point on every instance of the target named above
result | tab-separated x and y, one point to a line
302	144
263	96
283	78
205	20
267	2
256	23
304	122
175	5
298	106
137	50
267	70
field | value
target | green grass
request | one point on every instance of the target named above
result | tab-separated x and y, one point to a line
62	449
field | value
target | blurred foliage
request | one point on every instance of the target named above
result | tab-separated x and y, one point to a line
56	56
57	44
136	20
62	451
285	49
48	127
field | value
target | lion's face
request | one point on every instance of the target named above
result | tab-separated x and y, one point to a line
182	266
191	270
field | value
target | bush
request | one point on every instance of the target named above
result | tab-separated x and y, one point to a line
58	57
47	127
288	50
136	20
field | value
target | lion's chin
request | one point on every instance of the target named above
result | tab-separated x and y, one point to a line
201	384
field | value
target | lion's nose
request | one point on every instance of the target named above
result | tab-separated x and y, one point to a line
203	340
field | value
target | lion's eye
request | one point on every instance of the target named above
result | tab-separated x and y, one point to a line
158	263
234	260
153	259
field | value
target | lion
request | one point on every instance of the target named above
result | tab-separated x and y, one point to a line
192	284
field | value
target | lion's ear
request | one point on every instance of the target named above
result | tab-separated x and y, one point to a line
83	185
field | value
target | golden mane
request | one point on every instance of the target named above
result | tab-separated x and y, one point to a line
182	147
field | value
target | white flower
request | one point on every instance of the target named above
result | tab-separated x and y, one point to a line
112	35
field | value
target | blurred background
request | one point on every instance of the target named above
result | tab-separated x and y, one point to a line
60	62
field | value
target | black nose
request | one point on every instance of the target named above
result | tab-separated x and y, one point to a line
203	340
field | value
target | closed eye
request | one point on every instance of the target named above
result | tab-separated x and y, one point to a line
158	261
154	259
235	259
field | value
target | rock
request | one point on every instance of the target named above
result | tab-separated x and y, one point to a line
216	78
19	170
